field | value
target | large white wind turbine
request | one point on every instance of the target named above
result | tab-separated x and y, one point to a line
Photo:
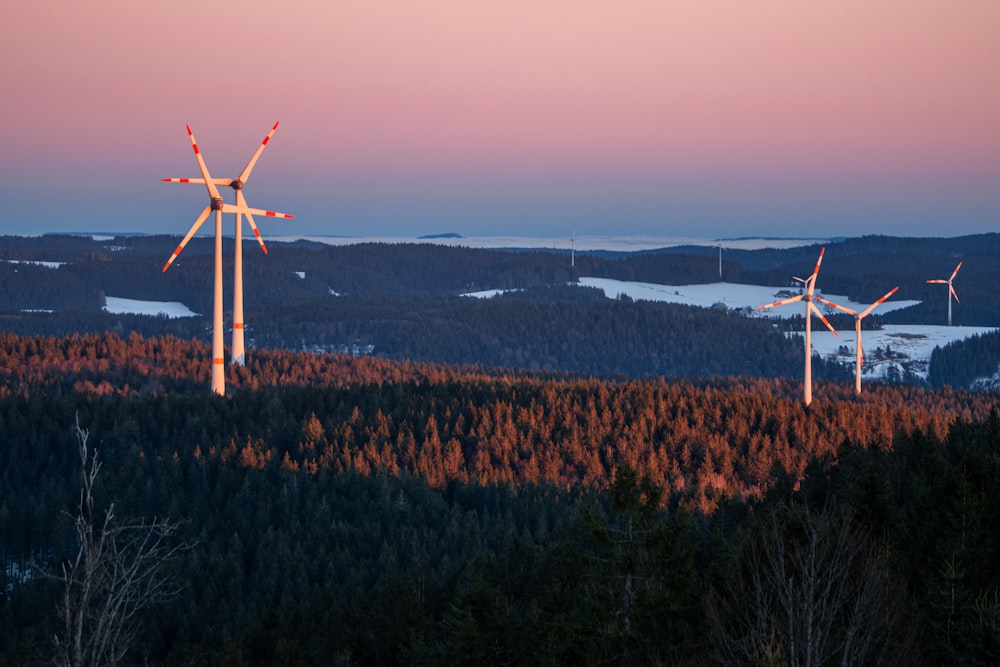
951	289
857	330
215	204
239	349
809	284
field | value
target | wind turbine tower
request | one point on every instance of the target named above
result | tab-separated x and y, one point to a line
809	285
951	289
720	260
857	330
216	204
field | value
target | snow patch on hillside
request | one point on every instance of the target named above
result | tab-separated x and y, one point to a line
34	262
733	296
488	293
890	352
170	309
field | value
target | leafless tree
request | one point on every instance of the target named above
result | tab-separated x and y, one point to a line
810	589
118	570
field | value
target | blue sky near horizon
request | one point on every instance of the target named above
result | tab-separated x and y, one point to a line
695	119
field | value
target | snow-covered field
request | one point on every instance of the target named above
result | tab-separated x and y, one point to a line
896	348
119	306
488	293
733	296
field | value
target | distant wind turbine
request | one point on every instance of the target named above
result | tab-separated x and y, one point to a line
239	349
857	329
951	288
215	204
807	296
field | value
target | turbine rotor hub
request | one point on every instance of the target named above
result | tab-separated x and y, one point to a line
216	203
236	184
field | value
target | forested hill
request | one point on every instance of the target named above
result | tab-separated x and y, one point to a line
401	301
701	441
365	511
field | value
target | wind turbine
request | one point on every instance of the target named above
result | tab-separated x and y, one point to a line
239	350
216	204
809	284
951	289
857	329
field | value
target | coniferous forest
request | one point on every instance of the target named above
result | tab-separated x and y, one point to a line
341	510
401	475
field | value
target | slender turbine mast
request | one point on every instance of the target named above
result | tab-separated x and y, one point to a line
215	204
807	296
951	289
720	260
857	330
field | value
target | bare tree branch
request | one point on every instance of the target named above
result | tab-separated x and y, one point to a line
118	570
809	590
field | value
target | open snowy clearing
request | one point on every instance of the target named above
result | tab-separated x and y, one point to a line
732	295
894	349
170	309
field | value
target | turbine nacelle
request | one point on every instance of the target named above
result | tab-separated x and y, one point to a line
217	204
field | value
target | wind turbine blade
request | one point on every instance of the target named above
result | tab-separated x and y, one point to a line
218	181
245	174
241	200
819	261
781	303
837	306
938	280
191	232
209	183
229	208
811	280
955	272
869	309
818	314
954	293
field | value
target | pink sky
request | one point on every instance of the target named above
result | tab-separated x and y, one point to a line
715	117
